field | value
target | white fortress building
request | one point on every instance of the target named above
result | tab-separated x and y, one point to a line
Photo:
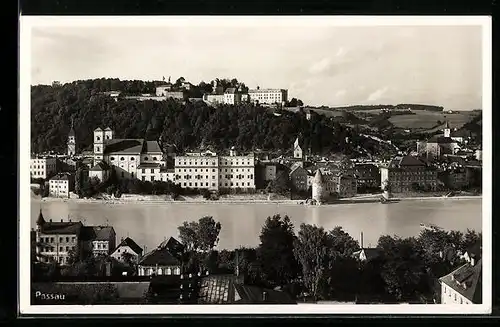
268	96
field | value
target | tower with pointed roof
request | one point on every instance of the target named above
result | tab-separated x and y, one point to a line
447	130
318	187
71	141
40	221
297	150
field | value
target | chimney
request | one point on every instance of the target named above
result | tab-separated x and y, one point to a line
264	296
361	240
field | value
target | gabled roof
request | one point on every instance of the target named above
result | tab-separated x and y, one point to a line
62	228
125	146
151	147
467	281
98	129
108	129
71	132
97	233
440	139
131	244
167	254
100	166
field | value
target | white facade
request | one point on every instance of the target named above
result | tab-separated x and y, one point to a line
121	250
297	150
158	270
163	89
213	172
450	296
43	167
214	98
60	188
71	145
268	96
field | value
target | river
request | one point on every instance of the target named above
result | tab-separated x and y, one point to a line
150	224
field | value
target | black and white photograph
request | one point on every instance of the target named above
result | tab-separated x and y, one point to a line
218	164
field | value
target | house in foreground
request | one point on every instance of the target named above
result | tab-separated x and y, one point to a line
164	260
126	247
463	285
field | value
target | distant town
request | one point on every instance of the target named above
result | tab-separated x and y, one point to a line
376	161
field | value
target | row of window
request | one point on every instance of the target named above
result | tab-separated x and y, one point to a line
132	158
213	184
159	271
225	163
61	239
61	249
187	177
213	170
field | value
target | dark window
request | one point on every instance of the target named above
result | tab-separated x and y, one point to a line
122	158
154	158
132	159
146	158
152	171
112	158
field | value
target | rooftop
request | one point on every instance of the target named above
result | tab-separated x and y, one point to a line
131	244
131	146
467	281
440	139
167	253
61	177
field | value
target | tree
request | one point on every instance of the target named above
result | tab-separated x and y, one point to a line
281	184
470	238
311	249
342	243
275	252
201	235
403	269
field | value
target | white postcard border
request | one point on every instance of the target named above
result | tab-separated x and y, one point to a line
27	23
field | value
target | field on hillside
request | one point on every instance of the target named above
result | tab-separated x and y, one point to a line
428	119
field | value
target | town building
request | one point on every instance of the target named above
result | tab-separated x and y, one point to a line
61	185
403	174
101	170
268	96
56	241
127	248
454	178
265	172
125	155
232	96
71	141
162	89
207	170
298	178
43	167
438	145
164	260
100	240
367	176
463	285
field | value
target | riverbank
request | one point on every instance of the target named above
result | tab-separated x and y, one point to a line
245	199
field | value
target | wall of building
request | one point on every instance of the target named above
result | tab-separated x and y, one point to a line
56	246
158	270
450	296
118	254
43	167
60	188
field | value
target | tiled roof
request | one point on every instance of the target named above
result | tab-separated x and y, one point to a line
151	147
149	165
131	244
255	295
467	281
97	233
164	254
100	166
62	228
61	177
174	246
217	289
131	146
440	139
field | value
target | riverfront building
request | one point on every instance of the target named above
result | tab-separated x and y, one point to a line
61	185
404	174
207	170
43	167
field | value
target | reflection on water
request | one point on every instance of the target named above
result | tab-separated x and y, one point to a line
149	224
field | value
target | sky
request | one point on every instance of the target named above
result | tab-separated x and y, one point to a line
322	65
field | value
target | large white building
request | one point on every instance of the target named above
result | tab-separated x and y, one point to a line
207	170
268	96
129	156
61	185
43	167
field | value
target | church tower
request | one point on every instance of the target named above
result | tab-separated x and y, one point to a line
447	130
297	150
98	144
71	141
318	187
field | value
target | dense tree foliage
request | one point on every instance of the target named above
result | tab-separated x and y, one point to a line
186	125
275	252
200	235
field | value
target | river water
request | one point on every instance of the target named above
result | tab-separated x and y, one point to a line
150	224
